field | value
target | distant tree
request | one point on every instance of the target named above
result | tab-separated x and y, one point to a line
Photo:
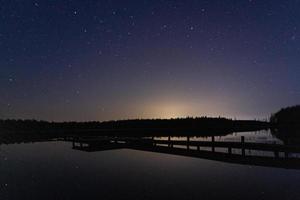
287	116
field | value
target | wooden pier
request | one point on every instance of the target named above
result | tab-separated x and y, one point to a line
278	155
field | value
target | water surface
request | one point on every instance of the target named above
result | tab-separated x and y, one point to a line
53	170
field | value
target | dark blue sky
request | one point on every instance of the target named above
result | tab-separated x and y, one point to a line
102	60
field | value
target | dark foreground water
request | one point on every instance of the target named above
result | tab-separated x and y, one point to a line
53	170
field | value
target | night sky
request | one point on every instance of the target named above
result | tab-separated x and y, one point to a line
85	60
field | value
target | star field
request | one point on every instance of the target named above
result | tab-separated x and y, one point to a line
103	60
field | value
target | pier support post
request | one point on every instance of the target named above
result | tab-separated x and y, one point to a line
276	154
213	143
229	150
152	141
188	142
73	143
243	145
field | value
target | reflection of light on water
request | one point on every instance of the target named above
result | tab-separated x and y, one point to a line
263	136
294	155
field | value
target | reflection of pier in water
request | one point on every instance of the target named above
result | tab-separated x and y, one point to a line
270	155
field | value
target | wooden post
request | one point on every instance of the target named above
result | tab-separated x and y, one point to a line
243	145
152	141
243	139
276	154
73	143
198	148
169	141
229	150
188	142
213	143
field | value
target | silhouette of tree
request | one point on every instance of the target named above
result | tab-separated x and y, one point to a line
289	116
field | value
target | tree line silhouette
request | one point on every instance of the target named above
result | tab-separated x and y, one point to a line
286	124
141	125
289	116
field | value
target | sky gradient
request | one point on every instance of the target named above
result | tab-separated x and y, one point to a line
66	60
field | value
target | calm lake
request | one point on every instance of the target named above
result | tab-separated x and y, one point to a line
53	170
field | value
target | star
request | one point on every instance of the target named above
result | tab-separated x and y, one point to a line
293	37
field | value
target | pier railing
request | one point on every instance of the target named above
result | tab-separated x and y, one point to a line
277	155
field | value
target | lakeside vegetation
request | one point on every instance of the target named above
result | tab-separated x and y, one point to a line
287	117
179	124
18	131
283	123
286	124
